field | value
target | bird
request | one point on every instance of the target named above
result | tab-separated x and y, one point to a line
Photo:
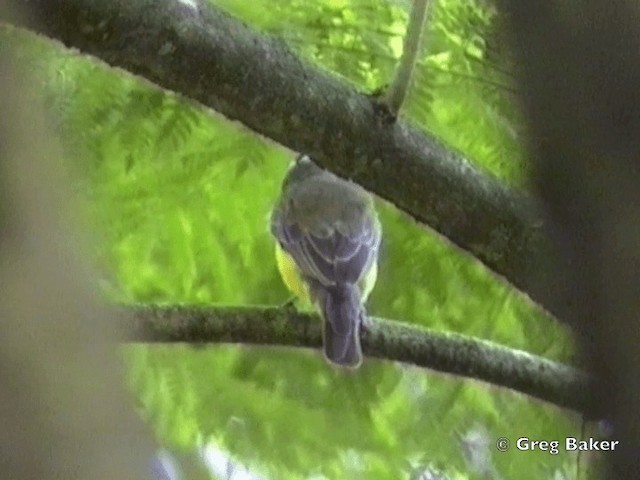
328	238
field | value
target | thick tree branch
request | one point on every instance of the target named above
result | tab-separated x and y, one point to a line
202	53
389	340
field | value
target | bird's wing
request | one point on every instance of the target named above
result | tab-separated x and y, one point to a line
334	254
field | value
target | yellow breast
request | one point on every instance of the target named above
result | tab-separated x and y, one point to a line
290	275
292	279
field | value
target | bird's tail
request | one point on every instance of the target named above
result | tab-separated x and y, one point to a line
342	312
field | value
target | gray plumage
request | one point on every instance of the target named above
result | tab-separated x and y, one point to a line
329	227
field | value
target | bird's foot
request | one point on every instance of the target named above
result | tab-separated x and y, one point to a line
365	323
289	304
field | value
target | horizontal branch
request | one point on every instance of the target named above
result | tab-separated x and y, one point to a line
385	339
202	53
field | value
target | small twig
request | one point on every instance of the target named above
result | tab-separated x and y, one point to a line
397	92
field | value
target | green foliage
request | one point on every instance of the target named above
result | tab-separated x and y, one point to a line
180	199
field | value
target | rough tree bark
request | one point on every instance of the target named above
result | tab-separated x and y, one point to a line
200	52
388	340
